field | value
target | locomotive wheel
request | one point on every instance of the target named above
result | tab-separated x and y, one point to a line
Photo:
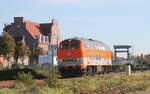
110	68
90	71
107	69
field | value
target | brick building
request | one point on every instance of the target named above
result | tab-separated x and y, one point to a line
45	35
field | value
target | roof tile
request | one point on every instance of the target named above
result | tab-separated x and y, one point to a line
33	28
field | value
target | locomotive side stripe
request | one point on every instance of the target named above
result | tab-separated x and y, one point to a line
86	62
103	61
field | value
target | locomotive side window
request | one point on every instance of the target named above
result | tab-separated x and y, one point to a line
86	45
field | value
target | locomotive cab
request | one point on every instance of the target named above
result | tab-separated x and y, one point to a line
69	56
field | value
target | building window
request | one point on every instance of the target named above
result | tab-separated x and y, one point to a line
42	38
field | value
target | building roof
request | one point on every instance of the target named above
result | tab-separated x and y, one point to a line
33	28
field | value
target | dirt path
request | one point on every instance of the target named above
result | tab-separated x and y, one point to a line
7	84
11	83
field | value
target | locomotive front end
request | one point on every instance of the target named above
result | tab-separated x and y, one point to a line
70	61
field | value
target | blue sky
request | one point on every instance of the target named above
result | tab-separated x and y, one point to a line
110	21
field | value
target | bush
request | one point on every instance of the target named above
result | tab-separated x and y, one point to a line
25	78
25	84
8	91
52	80
33	89
42	70
75	89
51	76
119	68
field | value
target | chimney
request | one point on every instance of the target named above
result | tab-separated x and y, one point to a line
18	19
54	21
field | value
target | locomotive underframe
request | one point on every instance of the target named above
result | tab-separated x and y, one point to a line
77	70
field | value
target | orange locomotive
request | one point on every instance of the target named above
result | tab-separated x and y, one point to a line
79	56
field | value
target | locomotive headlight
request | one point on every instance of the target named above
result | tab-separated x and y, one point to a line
60	60
78	60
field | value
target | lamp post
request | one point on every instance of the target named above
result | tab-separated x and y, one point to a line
52	48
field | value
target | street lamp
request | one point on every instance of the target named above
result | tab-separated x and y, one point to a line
52	48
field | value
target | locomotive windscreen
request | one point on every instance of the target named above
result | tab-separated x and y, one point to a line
70	44
74	44
64	45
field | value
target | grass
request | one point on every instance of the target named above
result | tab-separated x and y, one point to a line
137	83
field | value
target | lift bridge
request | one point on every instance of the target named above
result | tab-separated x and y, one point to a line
127	59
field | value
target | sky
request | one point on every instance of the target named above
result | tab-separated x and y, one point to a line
115	22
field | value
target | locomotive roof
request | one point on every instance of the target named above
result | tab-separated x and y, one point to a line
91	41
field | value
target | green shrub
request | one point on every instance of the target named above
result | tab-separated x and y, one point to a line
25	78
75	87
119	68
21	88
42	70
52	80
33	89
25	84
52	76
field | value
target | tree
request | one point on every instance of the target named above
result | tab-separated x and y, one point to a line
0	45
21	51
147	59
7	47
143	60
38	51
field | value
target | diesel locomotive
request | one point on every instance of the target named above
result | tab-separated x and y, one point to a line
77	56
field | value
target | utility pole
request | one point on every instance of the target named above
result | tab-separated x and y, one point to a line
52	48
